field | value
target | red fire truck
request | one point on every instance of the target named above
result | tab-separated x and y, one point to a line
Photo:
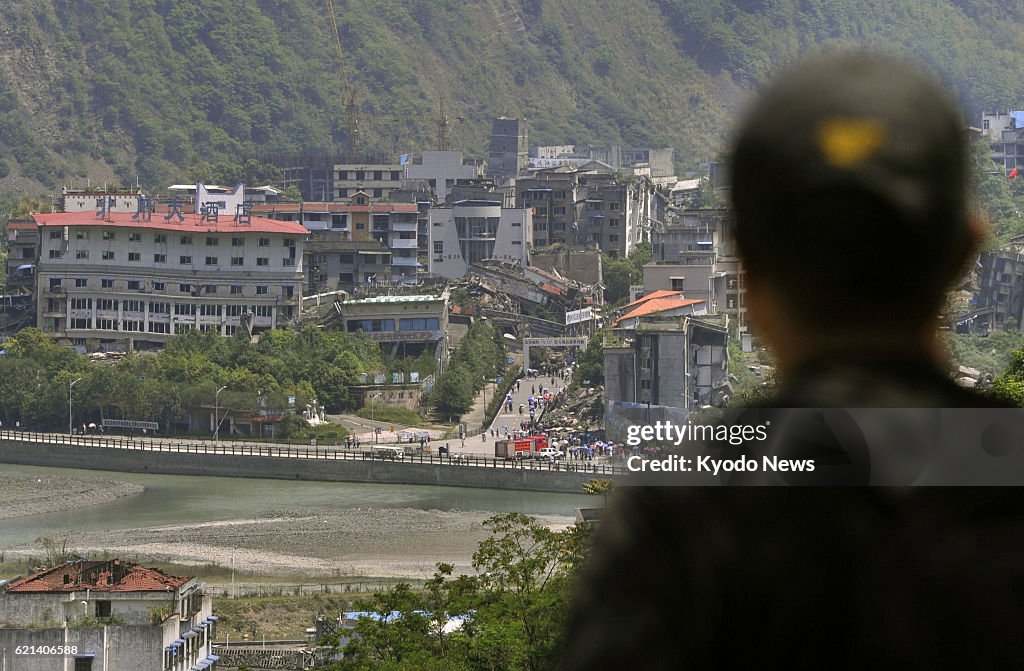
519	448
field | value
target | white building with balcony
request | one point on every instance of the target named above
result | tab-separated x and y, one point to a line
475	230
122	280
94	615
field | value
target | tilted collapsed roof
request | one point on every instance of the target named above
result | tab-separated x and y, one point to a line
190	223
111	575
657	305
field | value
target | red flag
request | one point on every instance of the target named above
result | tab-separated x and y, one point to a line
1013	173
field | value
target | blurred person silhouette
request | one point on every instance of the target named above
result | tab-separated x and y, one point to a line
849	176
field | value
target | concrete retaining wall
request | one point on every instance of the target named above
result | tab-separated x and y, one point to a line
284	468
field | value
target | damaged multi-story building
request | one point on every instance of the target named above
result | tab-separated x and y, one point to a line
109	614
667	358
589	206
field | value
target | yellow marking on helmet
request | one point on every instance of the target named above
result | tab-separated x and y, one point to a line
847	142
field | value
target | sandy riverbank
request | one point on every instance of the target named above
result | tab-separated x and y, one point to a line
48	494
370	542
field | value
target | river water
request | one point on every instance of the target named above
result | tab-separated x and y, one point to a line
183	499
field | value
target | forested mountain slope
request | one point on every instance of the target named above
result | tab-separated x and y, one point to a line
157	89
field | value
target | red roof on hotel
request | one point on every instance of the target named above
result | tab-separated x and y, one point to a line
656	305
193	223
99	576
373	208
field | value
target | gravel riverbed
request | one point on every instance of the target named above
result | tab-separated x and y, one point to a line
369	542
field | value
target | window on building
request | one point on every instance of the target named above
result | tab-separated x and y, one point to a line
613	223
160	239
187	309
233	310
378	193
236	289
211	260
81	303
135	237
262	261
185	288
342	193
614	205
210	289
288	262
289	242
56	234
288	291
396	175
79	254
209	310
159	258
677	283
134	257
186	239
134	285
613	238
263	310
56	253
360	226
185	260
238	260
83	663
109	235
108	304
344	258
439	247
264	242
159	286
159	327
81	282
81	234
360	200
133	306
238	242
262	290
212	241
108	255
360	174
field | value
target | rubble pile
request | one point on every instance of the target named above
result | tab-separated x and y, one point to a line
579	409
972	378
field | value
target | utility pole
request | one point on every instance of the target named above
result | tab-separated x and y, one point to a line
71	386
216	413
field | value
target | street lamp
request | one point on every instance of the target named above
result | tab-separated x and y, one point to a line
216	413
71	386
484	423
372	426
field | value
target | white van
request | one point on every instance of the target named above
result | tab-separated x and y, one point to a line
382	452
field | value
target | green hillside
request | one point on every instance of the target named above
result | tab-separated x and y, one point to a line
160	89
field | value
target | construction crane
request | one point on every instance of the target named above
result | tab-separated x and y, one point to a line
350	110
442	122
348	98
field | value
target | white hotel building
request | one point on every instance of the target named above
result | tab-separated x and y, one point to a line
122	280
